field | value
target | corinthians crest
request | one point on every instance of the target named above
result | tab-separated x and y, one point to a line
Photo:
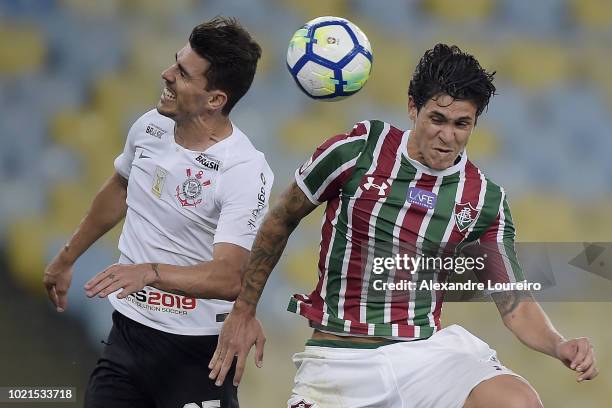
189	192
465	215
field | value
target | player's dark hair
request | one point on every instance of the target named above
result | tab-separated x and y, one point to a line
232	54
446	69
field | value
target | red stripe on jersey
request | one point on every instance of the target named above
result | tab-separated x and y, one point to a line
471	192
326	235
495	269
336	185
358	130
409	233
362	214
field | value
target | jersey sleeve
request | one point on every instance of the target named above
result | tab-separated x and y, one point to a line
501	264
323	175
123	162
244	202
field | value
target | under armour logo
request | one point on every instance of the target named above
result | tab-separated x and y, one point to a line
381	188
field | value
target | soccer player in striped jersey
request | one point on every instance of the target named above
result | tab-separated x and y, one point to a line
389	193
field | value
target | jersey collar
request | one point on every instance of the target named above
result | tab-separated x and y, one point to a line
427	170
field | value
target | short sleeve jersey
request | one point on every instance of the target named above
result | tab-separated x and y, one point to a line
379	201
181	203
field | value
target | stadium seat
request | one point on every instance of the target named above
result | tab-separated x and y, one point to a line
389	87
26	246
301	266
299	135
484	143
591	14
470	10
120	97
22	48
93	8
312	9
541	217
535	65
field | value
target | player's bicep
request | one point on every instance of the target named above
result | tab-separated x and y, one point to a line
246	193
292	206
508	302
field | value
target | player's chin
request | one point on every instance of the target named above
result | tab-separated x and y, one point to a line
165	110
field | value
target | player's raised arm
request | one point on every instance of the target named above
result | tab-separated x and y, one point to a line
241	329
524	317
107	209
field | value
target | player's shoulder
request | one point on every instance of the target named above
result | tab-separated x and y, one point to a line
242	154
372	130
375	128
475	172
152	123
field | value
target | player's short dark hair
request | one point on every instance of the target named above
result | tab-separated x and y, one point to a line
446	69
232	54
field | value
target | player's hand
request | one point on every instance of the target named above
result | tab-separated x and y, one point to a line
578	354
57	278
130	278
240	331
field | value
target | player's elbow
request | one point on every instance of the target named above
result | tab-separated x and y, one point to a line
231	286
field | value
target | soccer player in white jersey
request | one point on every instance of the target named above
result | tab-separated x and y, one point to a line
414	192
193	191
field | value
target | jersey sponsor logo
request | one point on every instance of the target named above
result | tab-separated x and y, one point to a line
422	197
189	192
159	180
377	184
465	215
162	302
155	131
208	162
261	203
302	404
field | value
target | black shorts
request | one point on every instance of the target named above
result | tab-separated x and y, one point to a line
144	367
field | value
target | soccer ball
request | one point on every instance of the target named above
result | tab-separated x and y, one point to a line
330	58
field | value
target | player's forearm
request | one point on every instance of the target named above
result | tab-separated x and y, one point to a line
267	250
216	279
270	243
530	324
107	209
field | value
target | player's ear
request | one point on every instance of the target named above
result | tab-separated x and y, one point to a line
217	99
412	109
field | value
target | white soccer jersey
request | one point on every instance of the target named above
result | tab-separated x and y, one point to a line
180	203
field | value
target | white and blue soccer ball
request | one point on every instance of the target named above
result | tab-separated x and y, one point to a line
330	58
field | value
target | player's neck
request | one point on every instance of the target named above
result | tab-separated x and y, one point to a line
201	133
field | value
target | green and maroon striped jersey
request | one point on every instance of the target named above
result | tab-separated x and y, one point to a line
380	202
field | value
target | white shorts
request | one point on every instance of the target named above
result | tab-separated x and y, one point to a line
438	372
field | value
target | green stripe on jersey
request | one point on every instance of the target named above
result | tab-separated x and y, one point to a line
488	213
331	162
508	239
386	220
337	248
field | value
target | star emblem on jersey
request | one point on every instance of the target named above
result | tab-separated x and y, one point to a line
465	215
382	186
189	192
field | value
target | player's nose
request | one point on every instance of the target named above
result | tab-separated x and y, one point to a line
446	134
167	75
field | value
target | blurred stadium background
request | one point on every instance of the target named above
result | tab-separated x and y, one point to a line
74	74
